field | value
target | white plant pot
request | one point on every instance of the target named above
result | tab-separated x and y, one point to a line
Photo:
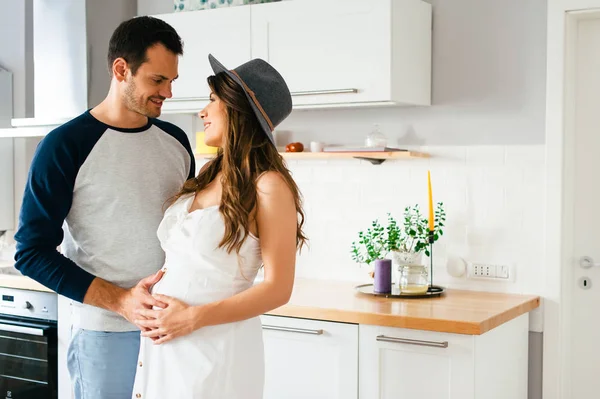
403	258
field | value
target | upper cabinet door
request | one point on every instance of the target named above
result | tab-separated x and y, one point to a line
333	52
325	46
223	32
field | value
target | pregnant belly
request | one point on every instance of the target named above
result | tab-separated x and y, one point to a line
176	282
192	287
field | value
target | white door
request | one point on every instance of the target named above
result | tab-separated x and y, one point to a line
583	208
402	363
310	359
328	48
223	32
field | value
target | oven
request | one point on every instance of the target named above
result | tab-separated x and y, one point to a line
28	344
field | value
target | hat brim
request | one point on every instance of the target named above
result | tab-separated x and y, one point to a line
217	67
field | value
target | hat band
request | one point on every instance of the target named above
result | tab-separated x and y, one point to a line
255	100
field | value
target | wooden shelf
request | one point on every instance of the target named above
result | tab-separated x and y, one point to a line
375	158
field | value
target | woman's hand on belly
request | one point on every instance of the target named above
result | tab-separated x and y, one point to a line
175	320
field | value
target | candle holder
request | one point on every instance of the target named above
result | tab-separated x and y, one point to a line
432	289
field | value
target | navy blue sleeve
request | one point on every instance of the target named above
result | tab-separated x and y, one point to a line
46	203
180	135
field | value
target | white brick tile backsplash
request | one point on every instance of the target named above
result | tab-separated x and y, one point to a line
524	155
486	155
492	197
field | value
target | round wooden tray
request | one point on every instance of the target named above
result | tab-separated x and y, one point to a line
432	291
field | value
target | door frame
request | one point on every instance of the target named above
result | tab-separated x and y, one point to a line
563	17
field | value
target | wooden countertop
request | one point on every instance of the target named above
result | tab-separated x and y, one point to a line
19	282
22	283
457	311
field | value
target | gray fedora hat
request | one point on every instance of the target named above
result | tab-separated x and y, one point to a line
265	89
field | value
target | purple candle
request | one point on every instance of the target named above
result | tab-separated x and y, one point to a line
383	276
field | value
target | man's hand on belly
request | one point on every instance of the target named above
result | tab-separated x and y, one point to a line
125	302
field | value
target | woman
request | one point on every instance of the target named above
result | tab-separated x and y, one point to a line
242	211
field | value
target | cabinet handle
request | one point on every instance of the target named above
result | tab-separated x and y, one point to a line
320	92
183	111
295	93
178	99
290	329
434	344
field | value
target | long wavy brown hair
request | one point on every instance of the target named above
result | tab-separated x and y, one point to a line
245	154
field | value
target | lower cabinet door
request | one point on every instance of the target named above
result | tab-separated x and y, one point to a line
402	363
310	359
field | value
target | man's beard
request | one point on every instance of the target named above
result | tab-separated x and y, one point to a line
132	102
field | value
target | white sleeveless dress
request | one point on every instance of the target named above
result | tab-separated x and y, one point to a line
217	362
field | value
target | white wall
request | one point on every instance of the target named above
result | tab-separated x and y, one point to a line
493	196
148	7
103	17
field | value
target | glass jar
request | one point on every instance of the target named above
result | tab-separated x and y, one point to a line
414	279
376	138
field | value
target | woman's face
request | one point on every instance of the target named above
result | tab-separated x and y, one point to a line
214	116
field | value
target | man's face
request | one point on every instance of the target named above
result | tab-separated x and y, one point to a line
145	91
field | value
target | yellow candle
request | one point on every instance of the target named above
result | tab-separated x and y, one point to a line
430	202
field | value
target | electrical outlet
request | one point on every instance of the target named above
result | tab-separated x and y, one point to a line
488	271
478	270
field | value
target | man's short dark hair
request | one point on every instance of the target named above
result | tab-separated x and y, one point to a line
133	37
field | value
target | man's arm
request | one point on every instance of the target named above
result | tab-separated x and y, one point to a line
46	202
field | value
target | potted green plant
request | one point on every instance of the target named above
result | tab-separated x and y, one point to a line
408	242
403	243
371	245
411	239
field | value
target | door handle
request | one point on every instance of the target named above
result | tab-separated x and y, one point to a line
587	262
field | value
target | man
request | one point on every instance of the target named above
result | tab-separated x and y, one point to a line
106	175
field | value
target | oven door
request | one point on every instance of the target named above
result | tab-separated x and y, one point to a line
28	360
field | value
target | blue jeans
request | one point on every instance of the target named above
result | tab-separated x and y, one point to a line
102	365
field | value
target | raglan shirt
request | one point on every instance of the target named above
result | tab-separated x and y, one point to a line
99	192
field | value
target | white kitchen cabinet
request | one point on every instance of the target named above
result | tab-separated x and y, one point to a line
310	359
396	362
351	52
223	32
332	53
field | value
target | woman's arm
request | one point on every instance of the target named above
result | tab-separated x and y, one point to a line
276	219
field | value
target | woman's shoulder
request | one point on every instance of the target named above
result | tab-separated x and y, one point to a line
179	202
271	185
270	179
